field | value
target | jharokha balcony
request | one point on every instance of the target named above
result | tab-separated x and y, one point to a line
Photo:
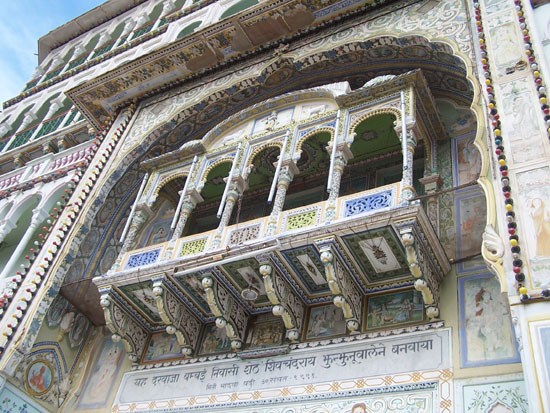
317	196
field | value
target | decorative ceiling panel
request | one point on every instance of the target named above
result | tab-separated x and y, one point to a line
308	268
246	274
191	284
141	296
379	254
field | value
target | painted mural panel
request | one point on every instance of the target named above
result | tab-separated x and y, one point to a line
325	321
504	42
38	377
534	199
162	346
214	340
467	161
394	309
503	397
100	381
470	212
265	333
520	128
13	400
482	306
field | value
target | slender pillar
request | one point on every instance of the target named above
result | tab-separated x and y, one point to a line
431	184
38	215
192	198
230	202
5	228
285	178
407	188
128	27
166	9
340	162
139	218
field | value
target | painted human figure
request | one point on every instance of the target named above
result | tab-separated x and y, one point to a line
38	381
540	215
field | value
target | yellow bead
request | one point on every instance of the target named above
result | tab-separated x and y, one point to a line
542	100
502	161
536	73
523	290
483	61
509	207
520	13
487	81
497	132
481	41
513	242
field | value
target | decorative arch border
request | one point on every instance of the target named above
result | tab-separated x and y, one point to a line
259	149
165	180
373	113
310	134
209	168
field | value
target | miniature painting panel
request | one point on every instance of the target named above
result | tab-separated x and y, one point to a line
534	197
266	334
379	254
394	309
502	397
520	128
483	306
325	321
468	161
162	346
471	213
102	376
39	377
214	340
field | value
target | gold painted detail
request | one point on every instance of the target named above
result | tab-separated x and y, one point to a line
193	247
305	219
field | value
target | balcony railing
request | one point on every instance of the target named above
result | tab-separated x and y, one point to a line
295	220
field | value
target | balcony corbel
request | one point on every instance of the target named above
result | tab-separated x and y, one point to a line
174	313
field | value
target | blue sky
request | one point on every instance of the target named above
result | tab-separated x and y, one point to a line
22	23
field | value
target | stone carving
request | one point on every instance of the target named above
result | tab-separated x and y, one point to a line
286	304
124	327
347	295
178	318
228	311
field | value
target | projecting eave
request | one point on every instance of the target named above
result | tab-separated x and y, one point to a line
82	24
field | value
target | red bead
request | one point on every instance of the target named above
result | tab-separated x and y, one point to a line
507	194
511	231
546	111
498	151
517	270
496	116
504	173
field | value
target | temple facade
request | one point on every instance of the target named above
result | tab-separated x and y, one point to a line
298	206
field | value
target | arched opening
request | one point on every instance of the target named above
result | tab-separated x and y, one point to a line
203	217
310	184
238	7
253	203
378	157
157	229
189	29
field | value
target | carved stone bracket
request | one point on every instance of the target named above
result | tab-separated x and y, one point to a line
174	313
493	252
426	281
124	327
286	303
347	295
229	312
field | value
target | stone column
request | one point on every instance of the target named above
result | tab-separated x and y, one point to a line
407	188
236	189
140	217
285	178
340	163
431	184
38	215
5	228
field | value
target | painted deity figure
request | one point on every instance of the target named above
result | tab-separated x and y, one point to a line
540	215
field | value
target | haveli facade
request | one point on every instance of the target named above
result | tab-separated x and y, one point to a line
292	206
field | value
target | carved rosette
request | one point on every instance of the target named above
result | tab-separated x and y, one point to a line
228	311
286	303
347	294
178	318
426	281
124	327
